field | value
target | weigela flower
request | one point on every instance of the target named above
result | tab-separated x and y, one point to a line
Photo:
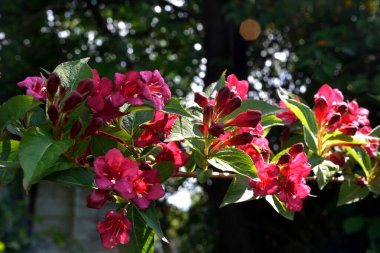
373	144
240	87
130	86
111	168
157	130
97	198
114	229
172	153
102	101
250	118
267	183
52	85
155	88
35	87
145	188
287	116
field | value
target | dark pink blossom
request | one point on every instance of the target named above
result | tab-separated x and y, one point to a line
35	87
250	118
171	152
155	88
240	87
111	168
287	116
114	229
130	86
267	182
145	188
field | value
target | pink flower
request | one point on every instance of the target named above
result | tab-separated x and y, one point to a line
111	168
287	116
356	115
35	87
373	145
146	187
250	118
332	96
114	229
97	198
155	88
267	183
130	86
240	87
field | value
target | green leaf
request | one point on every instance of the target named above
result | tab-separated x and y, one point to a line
174	107
339	139
118	133
165	170
306	116
279	207
350	192
212	88
362	158
183	129
142	236
375	132
270	121
203	175
8	171
72	72
233	160
374	183
238	191
132	121
250	104
38	153
15	108
324	172
100	145
353	225
74	177
150	217
310	140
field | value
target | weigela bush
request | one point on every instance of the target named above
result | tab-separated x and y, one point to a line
127	138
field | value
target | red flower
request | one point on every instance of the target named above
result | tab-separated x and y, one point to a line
356	115
146	187
114	229
157	130
287	116
35	87
373	145
155	88
240	87
111	168
131	87
172	153
267	183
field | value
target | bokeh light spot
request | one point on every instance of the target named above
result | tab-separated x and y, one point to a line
250	29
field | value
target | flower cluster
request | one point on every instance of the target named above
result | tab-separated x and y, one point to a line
284	178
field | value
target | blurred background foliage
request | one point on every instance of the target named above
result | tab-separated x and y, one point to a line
301	45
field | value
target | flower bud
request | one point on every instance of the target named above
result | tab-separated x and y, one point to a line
320	109
216	129
75	129
296	149
207	115
73	100
200	99
53	114
97	198
231	106
53	82
349	130
240	139
334	119
337	158
250	118
284	159
222	96
361	181
85	87
94	125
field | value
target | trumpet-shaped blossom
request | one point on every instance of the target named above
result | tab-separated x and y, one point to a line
130	86
287	116
155	88
240	87
97	198
111	168
145	188
172	153
114	229
35	87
